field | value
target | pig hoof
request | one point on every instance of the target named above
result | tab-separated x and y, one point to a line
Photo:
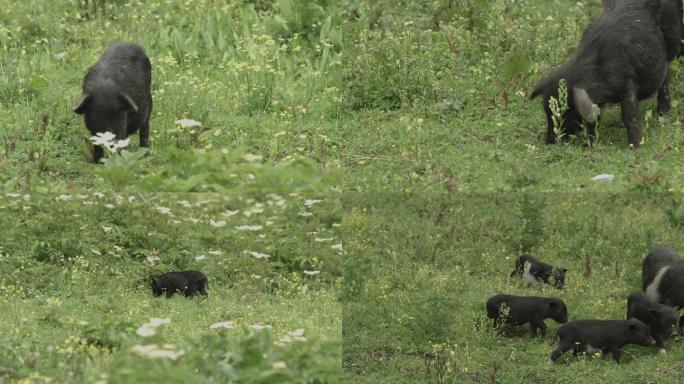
550	361
662	351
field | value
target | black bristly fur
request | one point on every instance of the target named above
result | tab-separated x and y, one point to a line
622	58
116	94
187	283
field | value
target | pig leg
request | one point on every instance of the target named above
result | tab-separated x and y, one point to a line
663	107
591	133
203	291
144	134
616	355
630	108
169	293
562	348
535	323
659	343
98	152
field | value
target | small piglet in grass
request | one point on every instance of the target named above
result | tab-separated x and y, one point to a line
187	283
518	310
535	271
116	94
662	319
605	336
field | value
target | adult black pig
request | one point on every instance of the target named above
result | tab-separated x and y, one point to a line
116	94
606	336
663	276
622	58
662	319
526	309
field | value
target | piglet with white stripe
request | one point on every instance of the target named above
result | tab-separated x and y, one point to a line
535	271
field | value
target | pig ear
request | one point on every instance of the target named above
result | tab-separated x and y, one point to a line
583	104
82	103
128	101
154	281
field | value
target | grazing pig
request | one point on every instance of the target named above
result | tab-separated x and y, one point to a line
526	309
662	319
607	336
187	283
116	94
622	58
663	277
535	271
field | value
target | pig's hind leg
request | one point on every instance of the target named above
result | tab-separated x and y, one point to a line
663	106
630	108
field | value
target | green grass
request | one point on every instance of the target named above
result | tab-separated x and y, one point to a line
421	317
393	113
75	287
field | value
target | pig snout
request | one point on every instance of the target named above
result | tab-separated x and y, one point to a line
650	340
674	331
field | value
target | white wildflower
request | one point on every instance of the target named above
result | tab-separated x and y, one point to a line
146	331
110	206
215	252
163	210
230	213
64	197
259	326
225	324
311	202
99	195
305	213
279	365
337	247
184	203
217	224
200	257
312	273
251	228
188	123
252	158
259	255
106	229
155	321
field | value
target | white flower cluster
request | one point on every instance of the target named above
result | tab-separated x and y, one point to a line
149	329
108	140
153	351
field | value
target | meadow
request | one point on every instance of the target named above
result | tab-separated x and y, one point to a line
421	317
392	113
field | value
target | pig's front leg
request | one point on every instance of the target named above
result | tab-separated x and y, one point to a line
630	109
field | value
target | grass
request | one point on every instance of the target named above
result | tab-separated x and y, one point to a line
392	113
75	286
421	317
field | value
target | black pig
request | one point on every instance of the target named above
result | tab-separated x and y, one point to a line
663	277
535	271
116	94
187	283
526	309
662	319
622	58
607	336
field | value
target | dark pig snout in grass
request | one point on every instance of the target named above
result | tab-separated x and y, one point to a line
663	276
187	283
116	94
605	336
662	319
518	310
621	58
535	271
